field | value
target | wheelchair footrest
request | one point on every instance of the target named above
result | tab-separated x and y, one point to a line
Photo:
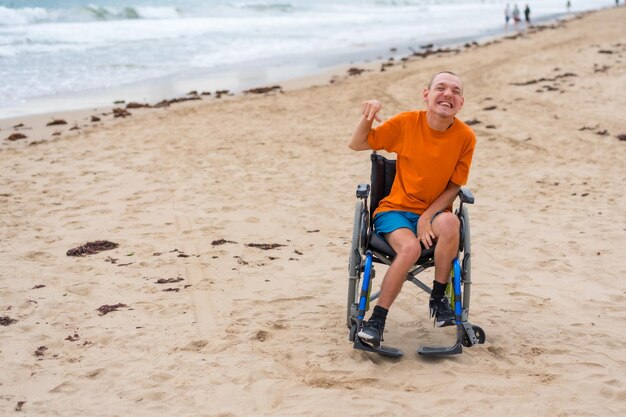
382	350
440	350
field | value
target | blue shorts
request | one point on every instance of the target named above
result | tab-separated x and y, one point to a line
388	221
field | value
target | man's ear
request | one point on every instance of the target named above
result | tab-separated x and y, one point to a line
462	103
425	94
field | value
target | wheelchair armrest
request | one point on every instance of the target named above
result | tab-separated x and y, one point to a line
466	196
363	190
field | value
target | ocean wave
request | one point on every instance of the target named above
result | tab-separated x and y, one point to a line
137	12
329	5
33	15
111	10
267	7
23	16
394	3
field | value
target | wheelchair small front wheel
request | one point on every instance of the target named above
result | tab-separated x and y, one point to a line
479	333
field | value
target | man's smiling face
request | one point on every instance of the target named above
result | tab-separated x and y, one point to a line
444	96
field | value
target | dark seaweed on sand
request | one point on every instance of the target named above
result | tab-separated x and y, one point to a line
56	122
221	242
544	79
40	351
169	280
167	103
355	71
106	309
16	136
73	338
6	321
91	248
264	246
118	112
133	105
263	90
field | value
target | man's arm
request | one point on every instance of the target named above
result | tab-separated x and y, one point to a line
445	199
369	113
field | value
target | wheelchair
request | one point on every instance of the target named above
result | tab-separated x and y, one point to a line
368	249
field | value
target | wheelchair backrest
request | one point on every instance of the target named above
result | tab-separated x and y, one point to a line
383	175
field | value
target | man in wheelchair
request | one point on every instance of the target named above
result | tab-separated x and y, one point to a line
434	152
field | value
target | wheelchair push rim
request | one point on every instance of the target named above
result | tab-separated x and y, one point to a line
354	263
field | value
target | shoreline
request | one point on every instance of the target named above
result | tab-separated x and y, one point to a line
236	79
35	126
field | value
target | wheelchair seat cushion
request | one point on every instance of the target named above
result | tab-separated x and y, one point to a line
380	245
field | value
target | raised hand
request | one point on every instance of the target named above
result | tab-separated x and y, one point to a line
370	109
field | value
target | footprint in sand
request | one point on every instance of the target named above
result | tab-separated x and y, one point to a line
37	256
194	346
64	387
82	290
261	336
95	373
160	377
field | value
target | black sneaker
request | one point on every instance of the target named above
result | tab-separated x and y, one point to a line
440	309
372	332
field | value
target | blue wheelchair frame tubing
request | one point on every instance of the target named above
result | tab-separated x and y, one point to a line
458	309
365	285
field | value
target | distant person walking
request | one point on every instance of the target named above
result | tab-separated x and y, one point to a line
507	14
569	6
527	14
516	15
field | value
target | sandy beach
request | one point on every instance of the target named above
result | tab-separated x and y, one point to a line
225	294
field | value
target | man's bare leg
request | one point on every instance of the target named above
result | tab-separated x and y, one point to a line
446	227
408	249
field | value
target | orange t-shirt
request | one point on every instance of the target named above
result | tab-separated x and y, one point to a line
427	159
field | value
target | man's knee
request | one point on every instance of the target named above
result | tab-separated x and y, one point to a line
446	225
410	249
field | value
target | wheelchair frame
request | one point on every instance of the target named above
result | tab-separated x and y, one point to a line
368	248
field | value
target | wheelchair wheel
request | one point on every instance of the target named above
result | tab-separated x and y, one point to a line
479	333
355	261
466	265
